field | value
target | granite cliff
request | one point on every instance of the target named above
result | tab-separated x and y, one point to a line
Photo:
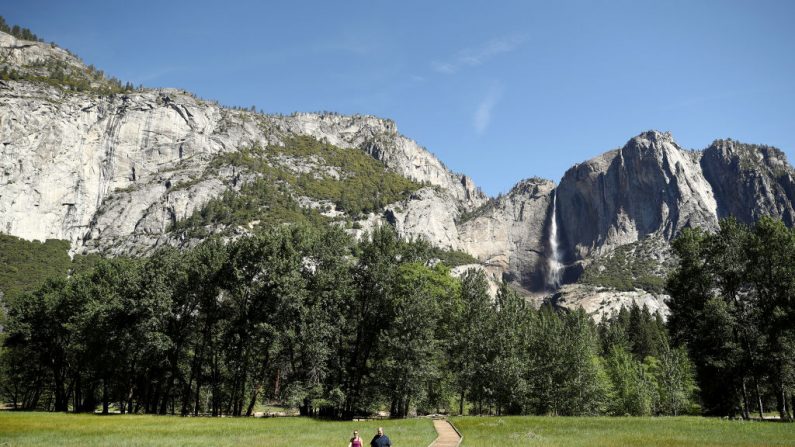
642	195
111	172
115	170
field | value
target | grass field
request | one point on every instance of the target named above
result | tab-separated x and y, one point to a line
57	429
614	431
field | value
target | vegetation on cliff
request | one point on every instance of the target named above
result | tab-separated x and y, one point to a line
347	179
637	265
18	31
67	73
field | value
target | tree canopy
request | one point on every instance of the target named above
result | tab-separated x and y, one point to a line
304	316
732	308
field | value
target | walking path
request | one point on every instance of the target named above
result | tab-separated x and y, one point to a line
448	437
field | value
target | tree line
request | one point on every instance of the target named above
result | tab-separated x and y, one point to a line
59	73
307	317
733	307
18	31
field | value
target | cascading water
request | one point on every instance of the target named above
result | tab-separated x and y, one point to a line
554	266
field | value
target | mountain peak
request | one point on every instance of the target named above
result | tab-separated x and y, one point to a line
652	139
531	184
729	148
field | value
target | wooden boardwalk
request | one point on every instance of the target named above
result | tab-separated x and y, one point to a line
448	437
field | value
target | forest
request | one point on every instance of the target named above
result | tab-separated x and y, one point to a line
304	316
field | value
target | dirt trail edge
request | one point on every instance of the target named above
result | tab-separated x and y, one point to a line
448	436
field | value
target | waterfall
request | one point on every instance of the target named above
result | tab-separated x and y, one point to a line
554	266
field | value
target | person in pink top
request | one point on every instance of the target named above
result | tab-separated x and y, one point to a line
356	441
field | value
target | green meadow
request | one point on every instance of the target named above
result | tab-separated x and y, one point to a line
49	429
86	430
692	431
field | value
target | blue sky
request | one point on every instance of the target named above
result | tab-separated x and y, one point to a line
498	90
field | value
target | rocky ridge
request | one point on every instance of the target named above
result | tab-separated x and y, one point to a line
112	173
649	186
649	190
750	181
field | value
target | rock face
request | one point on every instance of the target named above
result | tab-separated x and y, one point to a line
380	138
650	186
601	302
28	55
429	214
511	233
78	167
112	172
492	277
750	181
651	189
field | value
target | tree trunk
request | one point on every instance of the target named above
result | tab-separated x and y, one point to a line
257	388
187	391
61	401
195	374
253	401
792	403
303	409
130	399
759	400
34	401
77	393
167	395
105	403
154	399
781	401
239	406
197	402
214	387
746	404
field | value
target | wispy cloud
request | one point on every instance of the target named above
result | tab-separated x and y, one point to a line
474	56
482	117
